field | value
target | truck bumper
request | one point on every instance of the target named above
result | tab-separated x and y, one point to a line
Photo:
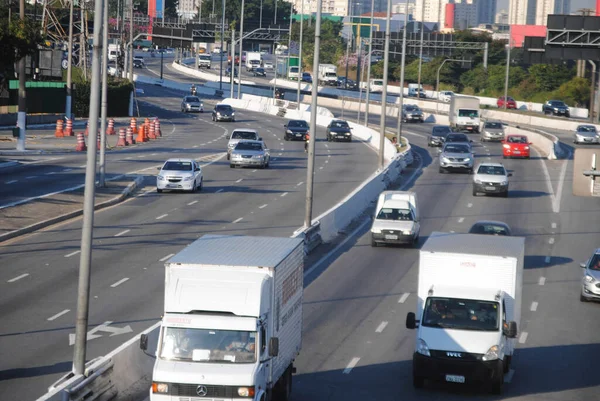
453	371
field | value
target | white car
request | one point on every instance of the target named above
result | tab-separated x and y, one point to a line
179	174
268	65
491	178
239	134
445	96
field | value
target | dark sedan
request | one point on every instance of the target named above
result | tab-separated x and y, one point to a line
438	135
259	72
296	130
306	77
346	83
223	112
490	228
339	130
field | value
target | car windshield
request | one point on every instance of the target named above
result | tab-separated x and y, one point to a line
491	170
249	146
457	138
208	346
178	166
395	214
243	135
298	124
488	228
412	108
440	131
468	113
517	139
493	125
595	263
223	108
339	124
461	314
586	128
456	149
557	103
192	99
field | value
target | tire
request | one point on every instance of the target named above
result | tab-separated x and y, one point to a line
418	382
505	194
231	165
474	192
285	137
415	242
159	190
267	165
504	157
228	156
582	298
441	170
496	385
194	187
283	388
507	361
201	185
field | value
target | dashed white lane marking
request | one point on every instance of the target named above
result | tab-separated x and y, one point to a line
381	327
547	260
403	297
254	171
166	257
321	168
300	183
461	219
162	216
284	194
140	156
220	190
11	182
523	337
12	280
118	283
122	233
326	145
534	306
195	146
263	206
274	158
279	154
50	173
67	170
326	161
237	220
452	232
351	365
154	154
59	314
127	158
30	177
192	203
542	281
328	155
470	205
240	180
68	255
82	166
553	225
551	241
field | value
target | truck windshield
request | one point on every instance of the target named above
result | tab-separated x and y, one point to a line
394	214
209	346
468	113
461	314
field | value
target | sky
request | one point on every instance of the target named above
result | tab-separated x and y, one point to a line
575	4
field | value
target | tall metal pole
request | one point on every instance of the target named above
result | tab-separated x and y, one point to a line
300	53
104	104
592	90
22	115
359	61
275	16
68	112
222	44
260	18
276	67
403	62
131	41
346	80
420	48
85	261
386	60
506	77
161	65
313	120
239	91
232	73
368	99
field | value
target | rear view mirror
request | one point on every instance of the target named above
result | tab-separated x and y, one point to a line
411	321
197	168
285	125
509	174
274	346
144	342
583	265
159	168
510	329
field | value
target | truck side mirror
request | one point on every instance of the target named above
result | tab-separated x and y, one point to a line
510	329
274	346
144	342
411	321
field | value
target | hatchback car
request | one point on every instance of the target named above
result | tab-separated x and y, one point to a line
192	103
179	174
492	131
490	227
491	178
586	134
339	130
268	65
346	83
510	103
138	63
590	282
556	107
239	134
250	154
306	77
445	96
456	156
438	135
296	130
412	113
223	112
457	137
516	146
259	72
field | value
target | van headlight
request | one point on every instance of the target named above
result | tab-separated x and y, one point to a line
422	348
246	391
491	354
376	231
161	388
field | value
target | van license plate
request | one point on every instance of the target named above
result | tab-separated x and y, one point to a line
391	237
455	379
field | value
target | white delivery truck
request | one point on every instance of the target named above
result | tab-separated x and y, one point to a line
396	219
416	90
468	308
113	52
327	75
464	113
232	323
253	60
204	60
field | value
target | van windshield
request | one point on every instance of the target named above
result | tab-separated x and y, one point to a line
395	214
208	346
461	314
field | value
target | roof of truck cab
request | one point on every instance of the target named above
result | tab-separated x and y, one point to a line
487	294
236	250
477	244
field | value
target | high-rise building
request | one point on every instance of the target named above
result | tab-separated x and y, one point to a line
486	11
502	18
449	14
546	7
403	7
334	7
431	11
518	10
187	9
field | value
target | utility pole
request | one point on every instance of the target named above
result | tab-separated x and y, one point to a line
386	60
403	62
368	99
420	49
22	115
232	73
104	104
506	75
68	112
313	120
130	60
239	92
592	90
300	53
222	44
85	261
275	16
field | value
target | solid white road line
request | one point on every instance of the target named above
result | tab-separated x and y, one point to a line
523	337
59	314
72	254
300	183
220	190
461	219
82	166
118	283
240	180
161	216
166	257
50	173
551	241
237	220
11	182
192	203
122	233
254	171
30	177
534	306
351	365
381	327
12	280
321	168
284	194
542	281
403	297
547	260
67	170
263	206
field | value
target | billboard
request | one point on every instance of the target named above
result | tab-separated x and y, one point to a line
519	32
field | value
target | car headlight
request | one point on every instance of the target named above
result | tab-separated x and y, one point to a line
589	279
257	156
219	114
555	109
504	183
232	114
506	146
477	181
201	104
422	348
160	177
407	232
347	133
467	159
289	132
231	145
376	231
190	178
445	159
491	354
160	387
526	148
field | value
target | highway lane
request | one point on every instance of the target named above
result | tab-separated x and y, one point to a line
39	276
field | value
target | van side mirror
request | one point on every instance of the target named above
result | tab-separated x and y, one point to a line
411	321
510	329
274	346
144	342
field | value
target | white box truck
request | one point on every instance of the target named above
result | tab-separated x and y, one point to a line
468	308
416	90
253	60
396	219
204	60
232	323
327	75
464	113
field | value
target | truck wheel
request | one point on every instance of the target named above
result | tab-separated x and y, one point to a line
283	388
507	361
418	382
497	385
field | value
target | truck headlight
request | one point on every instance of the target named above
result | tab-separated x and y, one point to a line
589	279
160	387
491	354
422	348
246	391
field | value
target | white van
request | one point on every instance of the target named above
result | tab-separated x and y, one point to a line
396	219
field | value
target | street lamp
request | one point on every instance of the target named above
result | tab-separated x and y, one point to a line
222	44
437	87
368	98
386	59
507	72
239	91
401	102
300	54
276	45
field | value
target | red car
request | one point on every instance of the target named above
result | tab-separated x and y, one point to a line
510	103
516	146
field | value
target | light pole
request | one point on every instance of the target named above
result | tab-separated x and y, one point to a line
104	102
22	113
161	64
222	44
68	112
368	99
130	60
507	72
232	72
386	59
276	45
239	91
421	49
401	102
437	86
260	18
300	53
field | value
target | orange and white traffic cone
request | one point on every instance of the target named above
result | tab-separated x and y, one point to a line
133	125
122	141
87	128
151	132
69	130
59	129
157	128
110	129
80	143
129	137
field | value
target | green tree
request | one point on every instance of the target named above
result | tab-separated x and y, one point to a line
549	77
17	39
576	92
333	46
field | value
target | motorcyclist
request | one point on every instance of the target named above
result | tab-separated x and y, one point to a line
306	141
193	90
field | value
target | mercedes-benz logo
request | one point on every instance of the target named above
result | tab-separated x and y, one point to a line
201	391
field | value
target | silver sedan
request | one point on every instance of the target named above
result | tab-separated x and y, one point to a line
248	153
586	134
192	103
456	156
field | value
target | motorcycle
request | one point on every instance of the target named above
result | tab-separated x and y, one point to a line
193	91
306	143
